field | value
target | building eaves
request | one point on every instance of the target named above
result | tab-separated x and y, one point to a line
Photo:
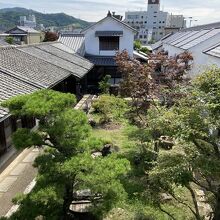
101	60
109	33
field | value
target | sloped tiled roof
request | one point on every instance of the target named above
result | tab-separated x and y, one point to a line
102	60
41	52
109	33
25	66
11	86
214	51
25	69
24	29
3	113
75	41
188	39
61	53
110	16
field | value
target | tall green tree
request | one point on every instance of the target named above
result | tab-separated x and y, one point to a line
193	126
66	166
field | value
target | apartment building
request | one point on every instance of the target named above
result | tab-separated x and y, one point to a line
152	24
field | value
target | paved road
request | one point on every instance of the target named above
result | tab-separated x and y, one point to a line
16	177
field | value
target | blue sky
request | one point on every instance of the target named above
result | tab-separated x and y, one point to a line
205	11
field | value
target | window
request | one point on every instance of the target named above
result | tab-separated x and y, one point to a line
108	43
133	16
141	36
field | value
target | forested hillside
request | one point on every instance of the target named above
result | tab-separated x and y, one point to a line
9	17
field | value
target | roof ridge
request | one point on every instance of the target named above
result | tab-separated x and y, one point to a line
112	17
62	57
71	73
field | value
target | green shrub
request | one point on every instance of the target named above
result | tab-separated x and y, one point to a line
9	40
110	108
104	85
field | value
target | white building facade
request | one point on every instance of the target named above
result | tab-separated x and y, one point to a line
151	24
203	44
109	36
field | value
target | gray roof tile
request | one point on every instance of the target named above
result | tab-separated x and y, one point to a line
73	58
214	51
10	87
102	60
36	71
40	53
75	41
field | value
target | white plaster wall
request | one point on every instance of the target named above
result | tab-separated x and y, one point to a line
92	42
201	60
172	51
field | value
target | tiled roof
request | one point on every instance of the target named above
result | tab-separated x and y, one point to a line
157	45
11	86
3	113
75	41
113	18
28	29
188	39
101	60
214	51
30	68
61	53
204	27
57	58
24	69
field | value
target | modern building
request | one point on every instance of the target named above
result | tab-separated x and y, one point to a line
24	35
29	21
152	24
25	69
201	41
99	43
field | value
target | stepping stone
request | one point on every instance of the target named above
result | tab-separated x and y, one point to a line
30	157
7	183
18	170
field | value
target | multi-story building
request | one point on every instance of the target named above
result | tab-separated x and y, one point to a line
151	24
28	22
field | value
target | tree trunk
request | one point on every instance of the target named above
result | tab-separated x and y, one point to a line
217	206
67	199
197	215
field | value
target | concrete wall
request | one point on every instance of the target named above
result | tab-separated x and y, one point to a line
33	38
92	42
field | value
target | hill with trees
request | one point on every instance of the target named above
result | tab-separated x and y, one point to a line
9	17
